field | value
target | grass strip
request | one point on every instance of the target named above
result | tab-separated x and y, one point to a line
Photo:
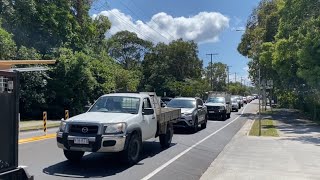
268	128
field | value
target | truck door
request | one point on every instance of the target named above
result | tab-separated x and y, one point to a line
149	121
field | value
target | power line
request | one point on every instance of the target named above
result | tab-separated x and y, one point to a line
145	23
151	19
126	23
211	55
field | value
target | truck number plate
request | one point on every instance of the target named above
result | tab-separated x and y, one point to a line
81	141
211	112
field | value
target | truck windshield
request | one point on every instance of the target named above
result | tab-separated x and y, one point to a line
216	100
117	104
182	103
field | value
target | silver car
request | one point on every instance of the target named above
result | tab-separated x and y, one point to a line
193	112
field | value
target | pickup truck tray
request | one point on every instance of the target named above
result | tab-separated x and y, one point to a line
167	114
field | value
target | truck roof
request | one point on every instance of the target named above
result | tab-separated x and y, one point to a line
137	95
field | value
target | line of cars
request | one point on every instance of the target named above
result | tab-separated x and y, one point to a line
120	122
195	112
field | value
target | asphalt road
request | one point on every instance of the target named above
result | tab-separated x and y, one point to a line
188	157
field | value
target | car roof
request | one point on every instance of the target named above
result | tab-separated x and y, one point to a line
137	95
186	98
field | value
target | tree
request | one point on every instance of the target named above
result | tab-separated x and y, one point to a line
219	76
46	25
128	49
7	45
282	38
166	64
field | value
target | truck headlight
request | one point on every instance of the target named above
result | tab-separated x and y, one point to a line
63	126
188	114
118	128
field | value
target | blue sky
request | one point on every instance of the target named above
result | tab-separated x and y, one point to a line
164	20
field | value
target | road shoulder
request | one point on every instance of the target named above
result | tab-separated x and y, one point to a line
292	156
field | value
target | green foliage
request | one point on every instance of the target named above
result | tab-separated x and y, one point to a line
128	49
32	86
282	37
167	67
7	45
238	89
219	76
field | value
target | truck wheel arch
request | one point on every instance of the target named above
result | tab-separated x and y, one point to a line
130	132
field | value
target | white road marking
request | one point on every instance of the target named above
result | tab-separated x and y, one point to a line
187	150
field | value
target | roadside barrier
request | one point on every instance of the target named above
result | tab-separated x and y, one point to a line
66	114
45	122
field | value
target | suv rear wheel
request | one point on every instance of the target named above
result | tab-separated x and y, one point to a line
195	125
204	124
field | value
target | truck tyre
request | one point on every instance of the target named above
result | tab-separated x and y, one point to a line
73	156
204	125
229	115
165	139
131	154
237	110
195	125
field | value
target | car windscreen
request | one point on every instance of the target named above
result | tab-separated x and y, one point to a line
117	104
216	100
235	99
182	103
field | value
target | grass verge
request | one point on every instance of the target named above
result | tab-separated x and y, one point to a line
36	125
268	128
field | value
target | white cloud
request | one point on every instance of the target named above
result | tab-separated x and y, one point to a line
203	27
246	68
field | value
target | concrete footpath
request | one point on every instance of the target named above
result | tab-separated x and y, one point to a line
295	155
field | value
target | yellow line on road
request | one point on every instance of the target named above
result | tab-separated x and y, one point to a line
37	138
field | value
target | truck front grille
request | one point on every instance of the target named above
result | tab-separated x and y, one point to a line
213	108
83	129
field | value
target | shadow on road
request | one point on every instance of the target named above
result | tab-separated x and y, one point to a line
99	165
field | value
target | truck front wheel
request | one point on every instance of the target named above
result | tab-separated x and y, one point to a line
165	139
73	156
132	153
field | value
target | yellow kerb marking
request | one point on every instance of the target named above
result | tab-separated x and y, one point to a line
37	138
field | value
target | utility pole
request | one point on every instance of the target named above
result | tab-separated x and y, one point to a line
228	76
211	55
241	82
235	77
259	103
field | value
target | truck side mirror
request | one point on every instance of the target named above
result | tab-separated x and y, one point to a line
147	111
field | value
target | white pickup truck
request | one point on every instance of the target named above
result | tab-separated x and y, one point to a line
117	122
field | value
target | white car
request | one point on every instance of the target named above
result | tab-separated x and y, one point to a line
219	106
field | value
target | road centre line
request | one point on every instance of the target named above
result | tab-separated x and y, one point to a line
187	150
